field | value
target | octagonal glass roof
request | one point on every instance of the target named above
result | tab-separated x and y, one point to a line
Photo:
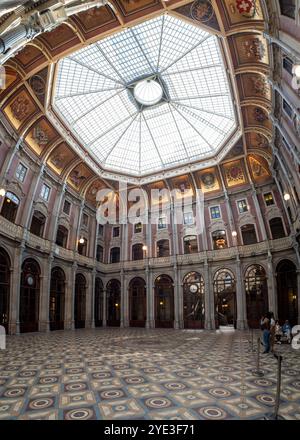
95	95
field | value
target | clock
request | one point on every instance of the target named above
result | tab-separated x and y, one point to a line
30	280
193	288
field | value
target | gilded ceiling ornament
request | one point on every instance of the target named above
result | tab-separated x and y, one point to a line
208	180
38	84
58	160
234	174
260	85
247	8
261	141
259	115
76	178
20	108
254	48
40	135
202	10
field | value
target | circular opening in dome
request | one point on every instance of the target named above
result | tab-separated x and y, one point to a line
148	92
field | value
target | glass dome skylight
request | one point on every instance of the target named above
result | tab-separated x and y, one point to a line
149	98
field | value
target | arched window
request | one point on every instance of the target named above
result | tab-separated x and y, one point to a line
113	293
29	296
57	299
163	248
80	299
99	253
115	255
38	223
277	229
193	300
98	302
256	294
288	8
137	302
219	240
164	301
137	252
82	247
10	206
225	298
62	236
190	244
4	288
248	234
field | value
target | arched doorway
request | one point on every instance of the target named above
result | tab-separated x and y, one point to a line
137	302
80	298
98	302
113	292
57	299
4	288
225	298
29	296
256	294
193	301
287	295
164	302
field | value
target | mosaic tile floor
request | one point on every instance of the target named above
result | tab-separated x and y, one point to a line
142	374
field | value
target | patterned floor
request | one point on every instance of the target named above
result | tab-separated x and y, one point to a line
142	374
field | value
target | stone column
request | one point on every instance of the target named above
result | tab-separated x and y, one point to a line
272	289
150	301
259	214
56	212
69	296
14	306
124	301
104	317
89	299
209	299
74	271
178	318
44	323
242	323
11	153
94	275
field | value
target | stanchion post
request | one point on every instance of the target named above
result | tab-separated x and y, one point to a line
276	416
258	372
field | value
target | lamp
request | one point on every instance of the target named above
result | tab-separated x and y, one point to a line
81	240
296	70
2	192
234	233
286	197
220	242
145	248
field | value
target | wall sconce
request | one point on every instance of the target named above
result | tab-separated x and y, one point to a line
117	305
296	77
234	233
161	303
81	240
2	192
286	197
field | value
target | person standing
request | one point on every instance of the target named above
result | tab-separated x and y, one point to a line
266	323
272	331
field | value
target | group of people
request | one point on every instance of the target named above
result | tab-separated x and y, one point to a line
273	332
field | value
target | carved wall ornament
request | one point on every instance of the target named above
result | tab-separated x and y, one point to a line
202	10
208	180
254	48
40	135
76	178
262	141
259	85
38	84
58	160
234	175
20	108
247	8
259	115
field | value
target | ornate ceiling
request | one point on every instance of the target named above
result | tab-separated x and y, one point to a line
239	25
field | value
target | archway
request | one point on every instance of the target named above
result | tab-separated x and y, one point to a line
113	292
57	299
164	302
4	288
29	296
256	294
193	301
287	295
225	298
98	302
137	302
80	298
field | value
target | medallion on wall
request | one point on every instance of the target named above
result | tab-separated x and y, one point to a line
202	10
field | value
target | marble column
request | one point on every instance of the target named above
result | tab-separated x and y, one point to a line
44	323
89	299
74	271
124	301
150	301
242	323
14	311
104	316
272	288
69	287
178	318
94	275
298	295
209	299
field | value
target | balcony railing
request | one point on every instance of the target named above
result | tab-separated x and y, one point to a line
17	233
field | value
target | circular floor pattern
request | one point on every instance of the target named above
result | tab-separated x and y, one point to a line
79	414
14	392
212	413
266	399
219	392
112	394
134	380
263	382
75	387
158	402
174	386
44	403
48	379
